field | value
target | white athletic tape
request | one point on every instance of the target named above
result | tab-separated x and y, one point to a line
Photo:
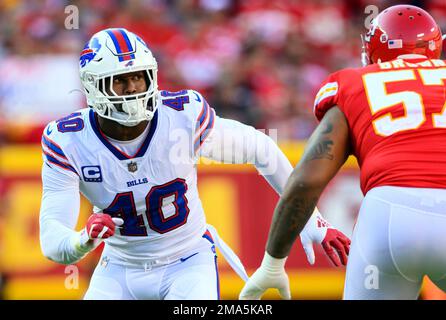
104	230
118	221
91	230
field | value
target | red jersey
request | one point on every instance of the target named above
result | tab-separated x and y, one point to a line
396	113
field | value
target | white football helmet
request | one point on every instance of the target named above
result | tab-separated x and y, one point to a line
111	52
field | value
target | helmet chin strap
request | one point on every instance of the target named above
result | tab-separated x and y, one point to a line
365	61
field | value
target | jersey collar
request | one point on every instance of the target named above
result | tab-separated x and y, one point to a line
120	155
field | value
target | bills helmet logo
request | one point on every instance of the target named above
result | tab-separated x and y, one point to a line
89	52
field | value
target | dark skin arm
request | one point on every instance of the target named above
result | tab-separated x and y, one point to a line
326	152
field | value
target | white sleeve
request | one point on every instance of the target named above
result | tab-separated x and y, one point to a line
59	212
233	142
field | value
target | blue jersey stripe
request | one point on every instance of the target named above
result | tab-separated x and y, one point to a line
204	113
205	133
53	147
210	125
58	163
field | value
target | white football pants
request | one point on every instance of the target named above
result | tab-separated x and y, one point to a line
193	277
399	237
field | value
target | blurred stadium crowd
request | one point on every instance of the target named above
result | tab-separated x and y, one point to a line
257	61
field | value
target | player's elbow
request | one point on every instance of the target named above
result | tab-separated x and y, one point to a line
53	254
48	251
47	247
264	150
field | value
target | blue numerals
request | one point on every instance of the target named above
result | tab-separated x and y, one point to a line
71	123
175	194
169	197
177	99
123	206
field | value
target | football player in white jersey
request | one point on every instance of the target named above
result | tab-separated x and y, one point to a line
133	155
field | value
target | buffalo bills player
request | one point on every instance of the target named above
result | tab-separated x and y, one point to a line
133	155
390	114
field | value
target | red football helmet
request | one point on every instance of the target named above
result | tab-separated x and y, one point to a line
401	29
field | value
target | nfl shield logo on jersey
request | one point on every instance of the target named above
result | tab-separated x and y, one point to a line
132	166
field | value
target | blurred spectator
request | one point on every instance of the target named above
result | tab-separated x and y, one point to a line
257	61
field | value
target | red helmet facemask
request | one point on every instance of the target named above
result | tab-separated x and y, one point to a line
398	30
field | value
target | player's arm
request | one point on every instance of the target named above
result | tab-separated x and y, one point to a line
326	151
60	204
59	212
234	142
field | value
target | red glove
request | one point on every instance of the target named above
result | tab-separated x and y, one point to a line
100	226
336	246
333	241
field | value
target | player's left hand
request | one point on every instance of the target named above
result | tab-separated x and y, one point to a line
271	274
101	226
335	244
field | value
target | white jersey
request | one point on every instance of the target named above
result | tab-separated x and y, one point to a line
154	190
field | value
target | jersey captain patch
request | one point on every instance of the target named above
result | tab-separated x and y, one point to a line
92	173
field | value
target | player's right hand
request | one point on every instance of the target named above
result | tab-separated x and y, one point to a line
101	226
335	244
271	274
